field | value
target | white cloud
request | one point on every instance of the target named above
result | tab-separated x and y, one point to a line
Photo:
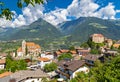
107	12
118	11
4	23
78	8
82	8
56	16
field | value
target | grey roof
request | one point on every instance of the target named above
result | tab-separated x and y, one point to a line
118	42
5	79
71	65
92	57
24	74
21	75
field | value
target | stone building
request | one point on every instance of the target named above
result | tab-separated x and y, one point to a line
97	38
28	48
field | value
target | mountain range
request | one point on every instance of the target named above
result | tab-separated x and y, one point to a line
77	30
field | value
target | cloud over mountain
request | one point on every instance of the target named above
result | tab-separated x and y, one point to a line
78	8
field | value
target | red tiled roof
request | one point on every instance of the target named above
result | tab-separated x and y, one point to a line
43	59
73	52
19	49
5	74
63	51
2	61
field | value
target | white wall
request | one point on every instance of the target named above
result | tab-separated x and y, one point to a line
47	56
35	80
2	66
42	64
84	69
20	54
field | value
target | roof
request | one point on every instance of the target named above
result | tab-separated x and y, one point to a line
71	65
32	44
116	45
97	35
5	79
19	49
2	61
58	52
5	74
63	50
118	42
84	50
92	57
3	54
24	74
73	52
43	59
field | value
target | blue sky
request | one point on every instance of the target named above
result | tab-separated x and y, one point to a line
58	11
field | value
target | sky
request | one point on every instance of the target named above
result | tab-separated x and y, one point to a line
58	11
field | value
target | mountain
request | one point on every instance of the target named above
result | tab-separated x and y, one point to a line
38	29
83	27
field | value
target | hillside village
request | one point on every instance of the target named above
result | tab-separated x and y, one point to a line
32	64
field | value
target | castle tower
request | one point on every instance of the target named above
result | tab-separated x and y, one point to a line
23	46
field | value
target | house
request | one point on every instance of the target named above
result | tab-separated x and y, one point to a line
117	44
42	61
97	38
49	56
90	59
25	76
29	48
2	63
109	53
109	42
83	52
59	52
73	52
3	55
68	69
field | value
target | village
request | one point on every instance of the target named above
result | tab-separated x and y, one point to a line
61	65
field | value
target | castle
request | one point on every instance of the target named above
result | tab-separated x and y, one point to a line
98	38
28	48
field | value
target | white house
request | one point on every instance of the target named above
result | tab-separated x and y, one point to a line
68	69
42	61
2	63
50	56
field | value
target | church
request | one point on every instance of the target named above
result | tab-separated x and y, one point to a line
28	48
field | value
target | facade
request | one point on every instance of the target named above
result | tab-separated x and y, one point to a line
109	43
28	48
98	38
68	69
2	63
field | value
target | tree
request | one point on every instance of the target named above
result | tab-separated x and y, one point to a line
5	12
26	50
80	77
14	65
65	56
50	67
44	79
108	72
84	45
